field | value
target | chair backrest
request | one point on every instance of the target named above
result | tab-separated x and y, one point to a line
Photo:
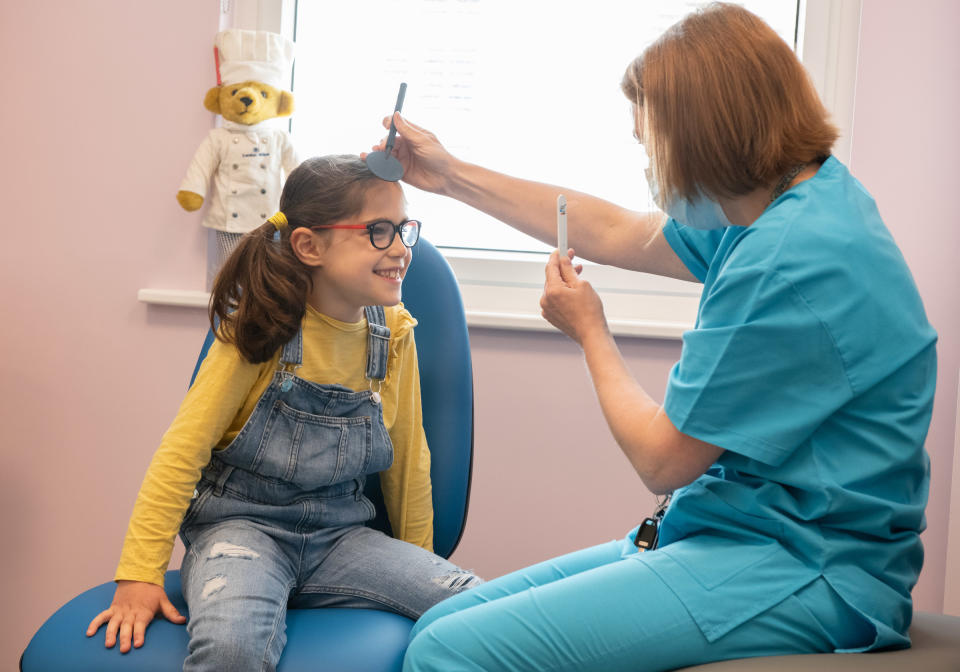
432	295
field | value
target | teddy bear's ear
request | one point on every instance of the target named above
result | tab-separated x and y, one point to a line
211	101
285	104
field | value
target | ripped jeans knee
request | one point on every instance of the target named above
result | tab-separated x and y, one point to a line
223	549
236	584
457	580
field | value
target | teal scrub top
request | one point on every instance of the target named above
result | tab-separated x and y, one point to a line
812	364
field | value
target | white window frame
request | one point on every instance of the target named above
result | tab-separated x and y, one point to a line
502	289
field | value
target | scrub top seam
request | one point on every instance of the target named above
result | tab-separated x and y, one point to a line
765	277
705	299
823	325
800	193
772	269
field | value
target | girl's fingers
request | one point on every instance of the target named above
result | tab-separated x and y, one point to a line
170	612
126	633
112	627
139	632
97	621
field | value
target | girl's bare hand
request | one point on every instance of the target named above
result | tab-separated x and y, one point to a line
135	603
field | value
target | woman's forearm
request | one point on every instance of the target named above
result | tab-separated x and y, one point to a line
663	457
599	230
627	408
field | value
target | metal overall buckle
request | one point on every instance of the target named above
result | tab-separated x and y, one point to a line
375	393
289	372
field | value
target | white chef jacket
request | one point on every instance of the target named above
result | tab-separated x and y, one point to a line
248	165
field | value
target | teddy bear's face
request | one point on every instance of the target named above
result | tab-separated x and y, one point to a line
248	102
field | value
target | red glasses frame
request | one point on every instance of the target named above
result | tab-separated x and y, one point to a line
403	228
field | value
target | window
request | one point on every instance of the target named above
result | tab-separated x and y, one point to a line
530	89
527	88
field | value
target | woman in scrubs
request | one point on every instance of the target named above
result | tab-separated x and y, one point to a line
792	429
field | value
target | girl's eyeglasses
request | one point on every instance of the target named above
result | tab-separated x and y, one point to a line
383	231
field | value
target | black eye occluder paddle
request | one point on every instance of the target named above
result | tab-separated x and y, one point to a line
382	164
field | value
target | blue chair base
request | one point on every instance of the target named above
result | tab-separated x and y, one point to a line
345	640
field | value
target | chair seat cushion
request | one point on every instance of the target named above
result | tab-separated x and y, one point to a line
351	640
936	648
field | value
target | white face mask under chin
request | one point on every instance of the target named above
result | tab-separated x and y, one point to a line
702	213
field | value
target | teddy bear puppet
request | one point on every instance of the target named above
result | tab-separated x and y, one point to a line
248	157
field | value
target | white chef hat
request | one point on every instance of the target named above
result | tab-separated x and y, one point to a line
244	55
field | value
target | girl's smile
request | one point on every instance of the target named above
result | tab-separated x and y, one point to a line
352	273
394	274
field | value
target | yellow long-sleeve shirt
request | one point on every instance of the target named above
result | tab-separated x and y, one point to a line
224	395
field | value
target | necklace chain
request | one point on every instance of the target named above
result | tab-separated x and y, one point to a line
785	181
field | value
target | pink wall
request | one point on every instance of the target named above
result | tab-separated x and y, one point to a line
548	478
106	116
905	146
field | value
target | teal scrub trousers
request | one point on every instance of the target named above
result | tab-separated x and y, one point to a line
604	608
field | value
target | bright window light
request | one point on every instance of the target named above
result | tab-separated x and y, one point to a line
529	88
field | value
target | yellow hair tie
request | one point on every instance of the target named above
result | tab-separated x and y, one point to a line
279	221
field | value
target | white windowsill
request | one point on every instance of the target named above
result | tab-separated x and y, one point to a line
190	298
502	290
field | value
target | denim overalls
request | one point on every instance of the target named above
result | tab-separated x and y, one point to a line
278	517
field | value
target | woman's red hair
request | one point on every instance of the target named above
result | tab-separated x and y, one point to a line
729	106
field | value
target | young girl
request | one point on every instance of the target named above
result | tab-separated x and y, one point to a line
311	385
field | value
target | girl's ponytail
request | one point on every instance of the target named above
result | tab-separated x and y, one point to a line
260	294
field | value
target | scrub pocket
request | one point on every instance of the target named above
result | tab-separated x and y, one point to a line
725	582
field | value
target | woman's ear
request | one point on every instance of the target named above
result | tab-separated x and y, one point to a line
308	247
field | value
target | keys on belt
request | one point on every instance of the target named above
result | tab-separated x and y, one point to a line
649	533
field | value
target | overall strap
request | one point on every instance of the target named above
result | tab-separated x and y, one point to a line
378	342
293	351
